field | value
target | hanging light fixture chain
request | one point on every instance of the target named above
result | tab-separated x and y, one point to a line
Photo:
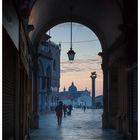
71	36
71	28
71	53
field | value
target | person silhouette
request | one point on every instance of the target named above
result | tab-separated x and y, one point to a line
59	112
84	108
69	108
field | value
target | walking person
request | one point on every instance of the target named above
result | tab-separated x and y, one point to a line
69	108
59	112
84	108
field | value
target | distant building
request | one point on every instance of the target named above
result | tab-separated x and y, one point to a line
48	72
99	101
75	97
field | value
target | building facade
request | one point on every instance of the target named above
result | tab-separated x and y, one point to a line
76	98
48	72
99	102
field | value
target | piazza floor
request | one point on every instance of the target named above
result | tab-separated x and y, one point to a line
79	126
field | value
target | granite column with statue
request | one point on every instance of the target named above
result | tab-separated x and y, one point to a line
93	76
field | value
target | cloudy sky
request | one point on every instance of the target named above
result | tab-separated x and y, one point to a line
87	46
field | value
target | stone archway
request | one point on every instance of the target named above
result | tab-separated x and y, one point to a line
114	25
98	16
47	71
80	20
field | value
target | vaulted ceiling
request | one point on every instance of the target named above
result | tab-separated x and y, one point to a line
102	17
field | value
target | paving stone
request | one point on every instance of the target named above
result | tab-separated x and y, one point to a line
79	126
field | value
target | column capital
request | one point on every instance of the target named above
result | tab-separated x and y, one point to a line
93	75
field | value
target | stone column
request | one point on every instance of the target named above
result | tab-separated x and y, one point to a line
17	98
104	65
29	104
93	76
35	117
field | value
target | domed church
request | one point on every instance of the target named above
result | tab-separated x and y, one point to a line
72	88
75	97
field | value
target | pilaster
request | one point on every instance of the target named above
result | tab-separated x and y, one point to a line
104	65
35	113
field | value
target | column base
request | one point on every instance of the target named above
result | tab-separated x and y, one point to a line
105	120
35	121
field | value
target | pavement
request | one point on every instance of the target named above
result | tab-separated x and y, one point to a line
79	126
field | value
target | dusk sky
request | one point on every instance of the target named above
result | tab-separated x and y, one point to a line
87	46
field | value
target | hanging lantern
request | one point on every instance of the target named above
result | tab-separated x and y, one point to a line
71	53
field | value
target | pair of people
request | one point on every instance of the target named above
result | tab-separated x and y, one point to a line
67	109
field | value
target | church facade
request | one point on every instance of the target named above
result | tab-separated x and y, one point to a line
76	98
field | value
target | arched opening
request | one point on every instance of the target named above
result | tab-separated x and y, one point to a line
77	19
87	46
